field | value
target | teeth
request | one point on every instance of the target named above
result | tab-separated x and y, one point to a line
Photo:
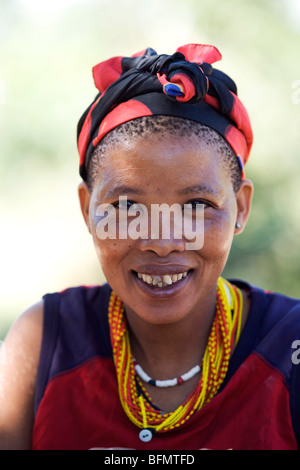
161	281
156	280
167	280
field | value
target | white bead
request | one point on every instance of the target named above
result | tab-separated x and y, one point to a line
141	373
145	435
191	373
169	382
166	383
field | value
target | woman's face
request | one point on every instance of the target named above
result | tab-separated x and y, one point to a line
171	171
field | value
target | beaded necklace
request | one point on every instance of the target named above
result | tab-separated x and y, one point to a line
169	382
224	333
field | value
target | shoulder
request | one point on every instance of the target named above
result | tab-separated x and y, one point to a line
278	310
272	329
23	343
18	372
24	336
68	321
269	308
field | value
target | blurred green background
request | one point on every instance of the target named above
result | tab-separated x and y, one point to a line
47	50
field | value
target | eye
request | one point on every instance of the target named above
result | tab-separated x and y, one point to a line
194	203
124	204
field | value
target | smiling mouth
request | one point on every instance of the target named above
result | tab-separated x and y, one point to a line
163	280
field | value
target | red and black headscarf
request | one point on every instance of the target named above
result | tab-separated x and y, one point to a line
183	84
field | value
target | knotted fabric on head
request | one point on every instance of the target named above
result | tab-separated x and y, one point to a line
183	85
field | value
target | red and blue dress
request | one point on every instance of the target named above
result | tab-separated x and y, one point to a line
77	403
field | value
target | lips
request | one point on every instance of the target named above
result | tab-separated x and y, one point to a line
162	279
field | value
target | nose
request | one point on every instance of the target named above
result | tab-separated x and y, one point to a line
163	233
162	247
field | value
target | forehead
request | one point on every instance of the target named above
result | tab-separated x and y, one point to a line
163	160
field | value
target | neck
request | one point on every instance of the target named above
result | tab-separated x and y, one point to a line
168	350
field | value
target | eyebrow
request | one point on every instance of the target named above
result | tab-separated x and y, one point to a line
123	189
120	190
199	188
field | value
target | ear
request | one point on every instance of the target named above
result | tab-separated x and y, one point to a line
84	199
244	201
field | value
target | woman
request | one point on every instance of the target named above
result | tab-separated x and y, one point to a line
167	354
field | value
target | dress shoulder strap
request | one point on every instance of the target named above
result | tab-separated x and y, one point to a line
75	329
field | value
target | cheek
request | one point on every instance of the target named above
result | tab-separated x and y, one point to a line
218	236
110	251
111	254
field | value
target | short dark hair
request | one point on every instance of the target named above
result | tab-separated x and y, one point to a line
161	125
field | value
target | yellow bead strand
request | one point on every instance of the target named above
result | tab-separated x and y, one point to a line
225	332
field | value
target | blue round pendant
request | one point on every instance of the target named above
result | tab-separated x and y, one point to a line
145	435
